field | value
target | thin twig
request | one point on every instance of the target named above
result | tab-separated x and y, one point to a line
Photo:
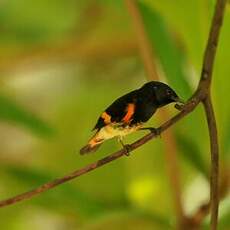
146	51
210	51
205	82
214	181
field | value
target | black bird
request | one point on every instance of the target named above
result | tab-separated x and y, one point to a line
129	112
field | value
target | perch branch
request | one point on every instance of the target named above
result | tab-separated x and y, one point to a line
214	180
47	186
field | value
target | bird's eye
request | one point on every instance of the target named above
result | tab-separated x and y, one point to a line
168	92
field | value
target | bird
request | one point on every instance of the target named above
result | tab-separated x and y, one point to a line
129	113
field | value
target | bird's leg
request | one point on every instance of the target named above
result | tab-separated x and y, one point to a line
127	147
156	131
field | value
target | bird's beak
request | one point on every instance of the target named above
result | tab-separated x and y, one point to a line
177	99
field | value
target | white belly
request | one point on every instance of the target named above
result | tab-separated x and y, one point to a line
112	130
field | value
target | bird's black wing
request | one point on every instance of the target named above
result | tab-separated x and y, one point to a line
121	110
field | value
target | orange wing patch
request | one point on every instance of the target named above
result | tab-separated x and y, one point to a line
106	117
130	111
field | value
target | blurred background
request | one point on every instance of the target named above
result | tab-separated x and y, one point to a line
61	64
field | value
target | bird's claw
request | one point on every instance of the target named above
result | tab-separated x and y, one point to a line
155	131
128	149
179	106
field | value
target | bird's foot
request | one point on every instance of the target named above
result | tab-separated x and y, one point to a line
179	107
155	131
128	149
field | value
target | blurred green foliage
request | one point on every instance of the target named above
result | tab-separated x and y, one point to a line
12	112
65	61
170	56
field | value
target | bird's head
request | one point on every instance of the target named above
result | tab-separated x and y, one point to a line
163	93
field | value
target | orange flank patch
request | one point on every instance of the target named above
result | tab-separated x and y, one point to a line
95	140
130	111
106	117
92	142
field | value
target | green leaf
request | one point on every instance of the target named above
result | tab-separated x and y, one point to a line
11	112
192	153
169	54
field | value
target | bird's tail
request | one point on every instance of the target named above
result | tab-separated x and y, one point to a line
92	146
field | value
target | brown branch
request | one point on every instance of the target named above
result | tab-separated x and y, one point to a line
205	82
210	51
47	186
214	180
147	54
